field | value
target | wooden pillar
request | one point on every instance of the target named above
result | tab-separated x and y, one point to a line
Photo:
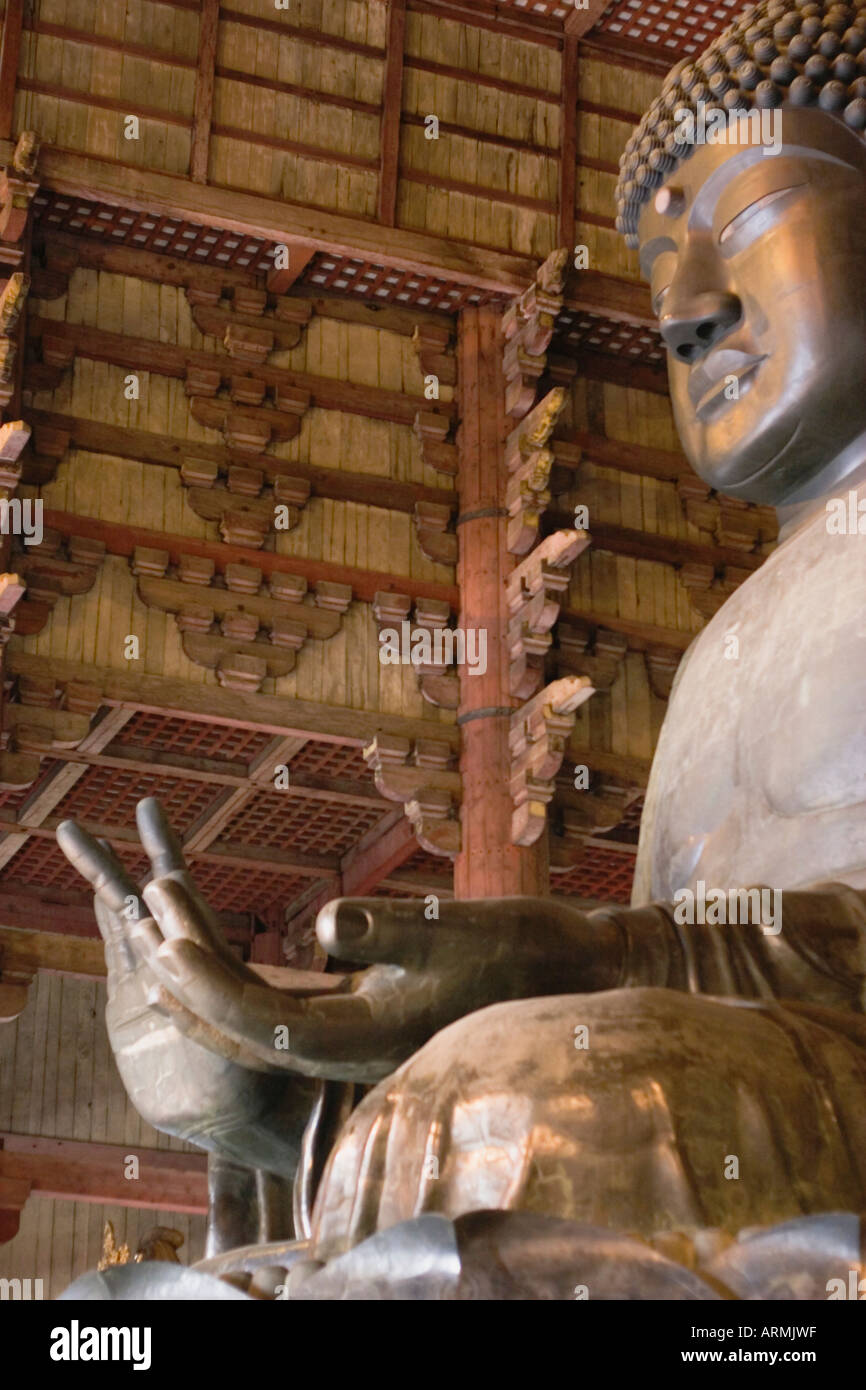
489	865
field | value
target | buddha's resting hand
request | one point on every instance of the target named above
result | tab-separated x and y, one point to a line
188	1020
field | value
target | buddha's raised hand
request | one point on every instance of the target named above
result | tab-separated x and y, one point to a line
172	964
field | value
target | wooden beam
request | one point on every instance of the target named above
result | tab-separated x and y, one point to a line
276	220
164	450
81	954
640	635
492	15
10	51
166	359
568	143
392	106
585	17
663	550
121	539
70	1170
610	296
211	704
667	465
204	85
387	846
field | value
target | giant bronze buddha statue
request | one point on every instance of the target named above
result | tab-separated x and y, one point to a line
566	1099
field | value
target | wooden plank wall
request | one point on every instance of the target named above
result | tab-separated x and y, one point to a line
92	627
628	720
58	1079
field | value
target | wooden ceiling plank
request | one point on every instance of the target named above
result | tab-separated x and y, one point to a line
568	148
204	89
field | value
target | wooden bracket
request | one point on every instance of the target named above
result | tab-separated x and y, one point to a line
431	527
731	522
538	739
236	625
421	777
246	506
241	319
437	449
594	652
529	461
53	569
434	345
18	188
708	591
437	681
534	596
528	326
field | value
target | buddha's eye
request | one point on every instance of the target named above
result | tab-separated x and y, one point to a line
750	218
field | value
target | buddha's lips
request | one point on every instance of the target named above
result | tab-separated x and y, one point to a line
710	380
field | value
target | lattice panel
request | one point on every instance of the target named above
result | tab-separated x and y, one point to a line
381	284
165	734
147	231
230	888
109	797
331	760
678	27
547	9
605	875
300	823
40	863
582	331
371	281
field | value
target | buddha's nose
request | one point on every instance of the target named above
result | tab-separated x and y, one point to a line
693	326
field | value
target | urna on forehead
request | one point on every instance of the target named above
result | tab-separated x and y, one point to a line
799	53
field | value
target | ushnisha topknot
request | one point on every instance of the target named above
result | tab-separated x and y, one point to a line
779	52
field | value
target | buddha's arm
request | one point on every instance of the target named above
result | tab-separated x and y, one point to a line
817	956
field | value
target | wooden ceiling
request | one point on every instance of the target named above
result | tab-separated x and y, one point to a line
310	132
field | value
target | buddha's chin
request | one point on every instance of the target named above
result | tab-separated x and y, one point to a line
755	467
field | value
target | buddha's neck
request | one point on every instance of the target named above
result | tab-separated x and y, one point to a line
847	470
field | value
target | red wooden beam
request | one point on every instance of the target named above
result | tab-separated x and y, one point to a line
83	1172
377	856
392	105
568	150
10	49
204	85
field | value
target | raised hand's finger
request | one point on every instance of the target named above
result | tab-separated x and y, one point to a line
177	910
294	1034
112	885
165	852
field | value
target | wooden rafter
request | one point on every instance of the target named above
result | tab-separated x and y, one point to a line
204	87
392	103
568	142
10	50
582	20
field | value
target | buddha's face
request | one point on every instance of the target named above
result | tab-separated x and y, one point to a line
757	266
